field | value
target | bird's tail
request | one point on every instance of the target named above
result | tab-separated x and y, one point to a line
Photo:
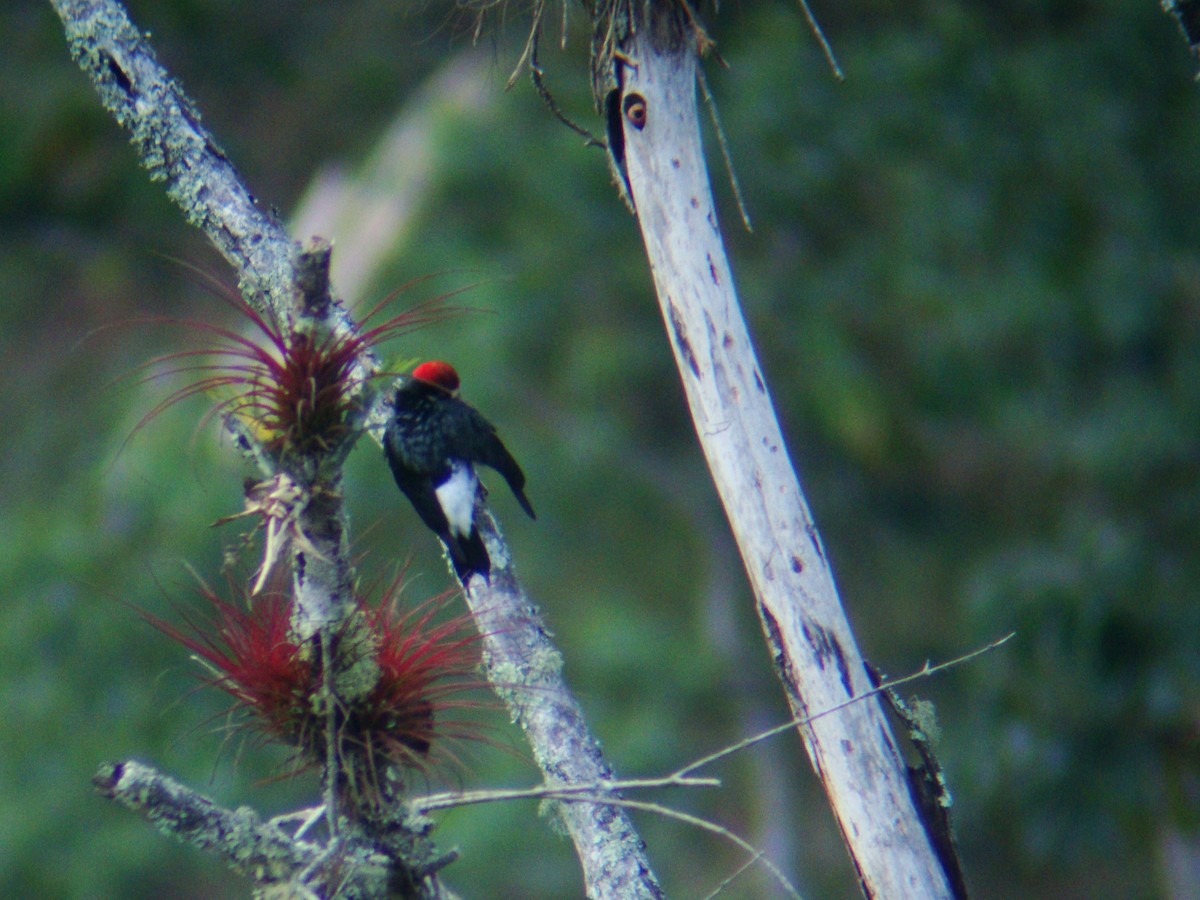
468	555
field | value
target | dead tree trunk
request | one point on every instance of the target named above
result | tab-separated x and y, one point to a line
816	658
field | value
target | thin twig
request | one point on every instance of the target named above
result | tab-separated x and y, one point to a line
539	83
723	143
601	791
600	794
819	34
714	828
926	671
596	791
734	875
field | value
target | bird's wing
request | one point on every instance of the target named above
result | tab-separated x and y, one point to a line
492	452
422	494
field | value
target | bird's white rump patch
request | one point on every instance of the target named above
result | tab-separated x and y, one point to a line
456	495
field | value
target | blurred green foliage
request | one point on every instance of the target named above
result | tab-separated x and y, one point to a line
975	285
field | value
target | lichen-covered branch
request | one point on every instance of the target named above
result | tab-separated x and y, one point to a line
1187	15
279	864
525	668
300	450
321	569
258	850
286	283
166	131
301	500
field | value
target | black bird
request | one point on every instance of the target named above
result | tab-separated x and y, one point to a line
433	442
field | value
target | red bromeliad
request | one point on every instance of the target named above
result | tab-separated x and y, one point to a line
294	389
408	721
295	392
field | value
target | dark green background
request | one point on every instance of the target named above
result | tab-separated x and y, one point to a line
975	288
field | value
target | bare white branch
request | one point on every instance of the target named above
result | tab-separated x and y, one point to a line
808	635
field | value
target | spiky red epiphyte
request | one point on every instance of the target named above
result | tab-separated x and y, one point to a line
405	722
428	669
250	656
293	390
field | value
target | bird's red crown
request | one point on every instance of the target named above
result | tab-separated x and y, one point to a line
440	373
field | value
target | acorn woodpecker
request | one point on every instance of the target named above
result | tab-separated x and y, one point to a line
433	442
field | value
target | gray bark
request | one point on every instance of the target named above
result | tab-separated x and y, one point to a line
522	662
807	633
525	668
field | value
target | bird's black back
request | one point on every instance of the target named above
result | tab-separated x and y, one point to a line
431	427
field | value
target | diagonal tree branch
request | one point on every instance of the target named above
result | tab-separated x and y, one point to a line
170	141
281	865
525	668
247	844
278	279
808	635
